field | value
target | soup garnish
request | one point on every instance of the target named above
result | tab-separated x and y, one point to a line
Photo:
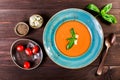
72	40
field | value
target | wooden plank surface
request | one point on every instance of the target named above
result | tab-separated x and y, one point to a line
13	11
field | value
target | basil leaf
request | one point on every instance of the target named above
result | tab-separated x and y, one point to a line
72	32
93	8
107	8
110	18
70	44
71	38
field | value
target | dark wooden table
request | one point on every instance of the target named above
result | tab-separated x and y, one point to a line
14	11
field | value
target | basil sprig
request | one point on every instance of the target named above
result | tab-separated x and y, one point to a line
71	40
103	12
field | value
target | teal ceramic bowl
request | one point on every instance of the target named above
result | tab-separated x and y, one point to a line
96	32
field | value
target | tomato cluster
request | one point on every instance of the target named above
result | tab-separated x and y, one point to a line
29	51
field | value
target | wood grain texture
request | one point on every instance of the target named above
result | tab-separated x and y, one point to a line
14	11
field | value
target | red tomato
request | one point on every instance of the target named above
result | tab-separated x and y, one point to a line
35	49
28	51
20	48
26	64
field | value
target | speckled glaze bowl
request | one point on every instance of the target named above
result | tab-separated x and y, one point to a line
36	21
96	32
21	29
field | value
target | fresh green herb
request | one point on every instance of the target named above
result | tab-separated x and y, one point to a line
110	18
70	44
107	8
103	12
72	33
93	8
71	40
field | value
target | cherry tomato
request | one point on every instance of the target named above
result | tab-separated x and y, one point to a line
26	64
20	48
35	49
28	51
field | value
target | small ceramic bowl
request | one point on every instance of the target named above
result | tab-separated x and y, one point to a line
20	57
35	21
21	29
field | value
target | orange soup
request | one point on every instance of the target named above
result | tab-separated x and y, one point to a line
83	40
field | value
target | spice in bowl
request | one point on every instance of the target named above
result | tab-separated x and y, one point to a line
21	29
35	21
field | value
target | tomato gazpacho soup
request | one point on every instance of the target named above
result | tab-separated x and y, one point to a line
72	38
